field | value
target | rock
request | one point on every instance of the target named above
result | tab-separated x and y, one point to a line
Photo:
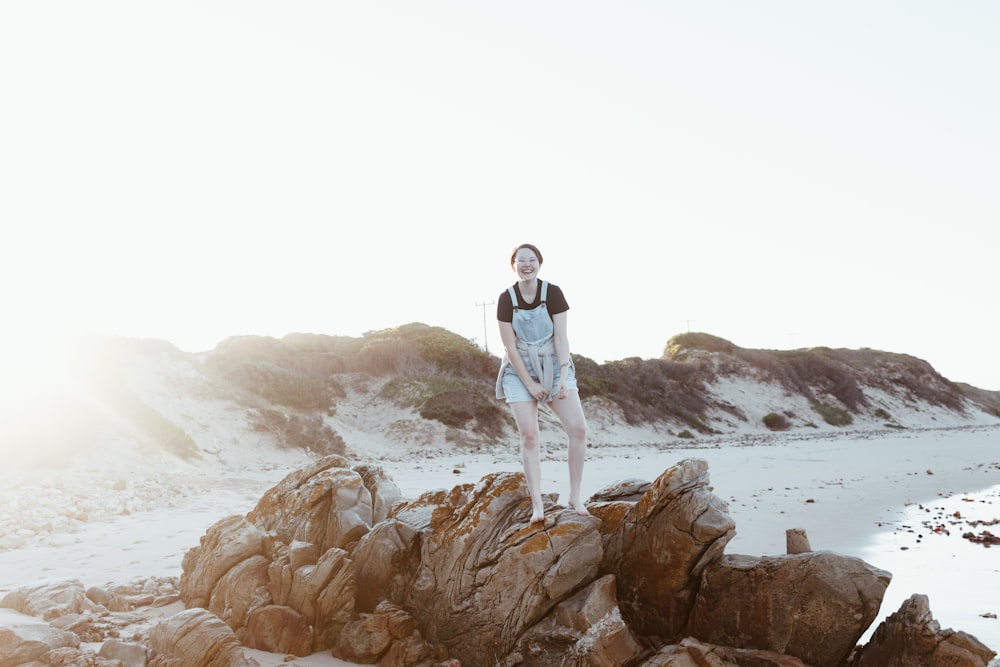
227	543
383	560
630	490
278	629
486	575
912	638
50	599
585	629
127	653
24	638
385	493
321	592
246	586
662	544
814	606
98	596
389	636
195	638
692	653
278	577
326	504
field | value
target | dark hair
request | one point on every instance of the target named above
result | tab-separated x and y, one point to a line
534	249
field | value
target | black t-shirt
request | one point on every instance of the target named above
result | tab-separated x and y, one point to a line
555	302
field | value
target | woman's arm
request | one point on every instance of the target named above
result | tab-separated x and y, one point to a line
561	342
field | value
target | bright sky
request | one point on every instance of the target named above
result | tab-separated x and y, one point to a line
781	174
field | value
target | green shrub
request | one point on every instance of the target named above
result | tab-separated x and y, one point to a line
297	430
776	422
832	415
414	390
696	341
686	434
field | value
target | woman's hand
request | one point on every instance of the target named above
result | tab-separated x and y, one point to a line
562	392
538	391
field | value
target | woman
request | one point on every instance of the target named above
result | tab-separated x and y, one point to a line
537	367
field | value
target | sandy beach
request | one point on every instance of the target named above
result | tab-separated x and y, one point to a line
860	494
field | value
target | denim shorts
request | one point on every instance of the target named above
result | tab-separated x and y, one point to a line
514	390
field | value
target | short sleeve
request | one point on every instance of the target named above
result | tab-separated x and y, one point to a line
505	307
555	300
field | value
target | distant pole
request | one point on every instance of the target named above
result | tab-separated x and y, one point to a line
486	344
689	325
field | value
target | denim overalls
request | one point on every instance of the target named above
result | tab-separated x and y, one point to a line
535	343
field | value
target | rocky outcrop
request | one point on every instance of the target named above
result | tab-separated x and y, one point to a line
662	543
331	560
281	577
912	638
486	575
814	606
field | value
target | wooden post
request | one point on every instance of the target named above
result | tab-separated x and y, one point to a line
796	541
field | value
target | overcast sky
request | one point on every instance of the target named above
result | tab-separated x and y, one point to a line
781	174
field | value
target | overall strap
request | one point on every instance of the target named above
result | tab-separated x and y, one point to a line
545	290
513	296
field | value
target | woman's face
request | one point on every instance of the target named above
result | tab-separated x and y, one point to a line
526	264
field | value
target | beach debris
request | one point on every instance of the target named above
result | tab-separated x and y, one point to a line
986	538
989	614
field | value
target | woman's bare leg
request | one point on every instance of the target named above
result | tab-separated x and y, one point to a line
570	413
526	416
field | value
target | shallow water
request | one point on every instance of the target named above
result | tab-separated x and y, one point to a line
926	553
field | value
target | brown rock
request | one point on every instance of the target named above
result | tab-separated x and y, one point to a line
814	606
325	504
127	653
912	638
364	640
278	629
692	653
585	629
385	493
240	590
24	638
389	636
195	638
486	575
227	543
662	545
323	593
50	600
384	560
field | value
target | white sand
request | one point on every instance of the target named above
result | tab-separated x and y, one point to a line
850	492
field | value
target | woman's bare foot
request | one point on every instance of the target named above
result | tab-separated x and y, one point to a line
579	507
537	517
